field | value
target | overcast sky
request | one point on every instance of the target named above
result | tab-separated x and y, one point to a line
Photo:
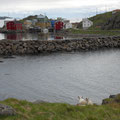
71	9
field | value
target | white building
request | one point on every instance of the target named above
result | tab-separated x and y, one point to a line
40	16
68	25
86	23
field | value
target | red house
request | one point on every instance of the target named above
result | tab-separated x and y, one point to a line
58	25
13	25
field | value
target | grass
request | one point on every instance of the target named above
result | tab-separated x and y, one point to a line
99	32
100	19
59	111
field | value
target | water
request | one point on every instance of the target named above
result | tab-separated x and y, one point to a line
61	77
29	36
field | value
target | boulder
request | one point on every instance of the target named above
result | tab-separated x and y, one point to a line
112	99
6	110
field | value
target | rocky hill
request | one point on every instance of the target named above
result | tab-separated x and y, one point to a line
113	22
105	21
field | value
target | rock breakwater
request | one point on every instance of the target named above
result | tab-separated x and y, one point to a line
12	47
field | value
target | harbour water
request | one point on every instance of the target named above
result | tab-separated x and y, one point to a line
61	77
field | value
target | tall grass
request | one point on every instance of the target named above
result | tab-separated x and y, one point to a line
59	111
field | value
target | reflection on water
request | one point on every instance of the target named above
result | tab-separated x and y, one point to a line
29	36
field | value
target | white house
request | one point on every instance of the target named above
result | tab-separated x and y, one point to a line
67	24
40	16
86	23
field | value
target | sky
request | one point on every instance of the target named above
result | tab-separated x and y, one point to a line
74	10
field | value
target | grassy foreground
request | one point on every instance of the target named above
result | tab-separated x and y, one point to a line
59	111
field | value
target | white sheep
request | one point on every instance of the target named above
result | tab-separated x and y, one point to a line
82	101
89	102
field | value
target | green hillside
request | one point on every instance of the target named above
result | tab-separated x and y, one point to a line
102	21
31	17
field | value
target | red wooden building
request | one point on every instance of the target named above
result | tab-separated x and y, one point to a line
14	25
58	25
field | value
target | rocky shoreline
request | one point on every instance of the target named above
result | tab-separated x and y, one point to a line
13	47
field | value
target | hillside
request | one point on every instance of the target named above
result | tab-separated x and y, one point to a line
112	23
31	17
105	21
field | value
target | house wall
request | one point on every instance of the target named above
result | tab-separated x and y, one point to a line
43	25
28	24
68	25
86	23
11	25
59	25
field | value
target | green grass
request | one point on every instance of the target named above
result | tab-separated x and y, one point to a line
100	19
99	32
60	111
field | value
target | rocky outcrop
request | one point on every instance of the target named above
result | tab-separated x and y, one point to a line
112	99
113	22
12	47
6	110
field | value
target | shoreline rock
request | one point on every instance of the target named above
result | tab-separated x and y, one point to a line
111	99
6	110
13	47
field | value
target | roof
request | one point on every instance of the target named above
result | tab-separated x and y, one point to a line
117	10
16	22
40	16
86	19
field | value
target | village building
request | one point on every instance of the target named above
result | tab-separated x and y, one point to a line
75	25
59	25
67	24
86	23
13	26
43	22
28	23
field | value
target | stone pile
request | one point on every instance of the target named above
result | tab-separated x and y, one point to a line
12	47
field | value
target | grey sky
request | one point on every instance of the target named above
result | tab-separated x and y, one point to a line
72	9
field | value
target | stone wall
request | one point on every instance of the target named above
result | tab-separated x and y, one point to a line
12	47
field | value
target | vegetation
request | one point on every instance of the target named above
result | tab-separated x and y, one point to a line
34	17
113	22
100	19
106	21
98	32
60	111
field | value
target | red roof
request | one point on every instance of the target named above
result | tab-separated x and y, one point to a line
117	10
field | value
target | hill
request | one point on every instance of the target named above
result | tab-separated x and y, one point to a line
32	17
113	22
107	21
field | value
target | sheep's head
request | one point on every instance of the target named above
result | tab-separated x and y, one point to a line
87	99
80	97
